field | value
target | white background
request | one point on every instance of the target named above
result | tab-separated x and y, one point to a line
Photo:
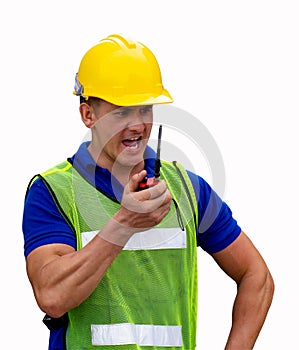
233	64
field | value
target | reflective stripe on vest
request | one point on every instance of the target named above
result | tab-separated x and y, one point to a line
155	238
139	334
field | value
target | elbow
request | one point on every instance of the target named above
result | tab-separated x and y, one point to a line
53	311
51	305
260	282
263	286
269	285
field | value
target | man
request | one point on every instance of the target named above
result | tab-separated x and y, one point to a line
113	266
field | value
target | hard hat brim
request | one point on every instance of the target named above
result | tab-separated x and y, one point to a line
137	100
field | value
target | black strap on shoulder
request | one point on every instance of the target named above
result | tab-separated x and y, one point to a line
30	183
187	192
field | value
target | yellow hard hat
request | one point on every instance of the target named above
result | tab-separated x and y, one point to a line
121	71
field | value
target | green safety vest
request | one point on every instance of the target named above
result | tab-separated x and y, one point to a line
147	298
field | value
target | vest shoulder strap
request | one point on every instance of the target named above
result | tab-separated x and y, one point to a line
174	169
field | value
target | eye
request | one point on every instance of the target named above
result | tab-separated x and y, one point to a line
122	112
146	109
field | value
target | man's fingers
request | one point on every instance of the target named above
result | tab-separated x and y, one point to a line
135	180
153	192
153	203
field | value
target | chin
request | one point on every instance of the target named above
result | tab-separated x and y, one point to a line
129	160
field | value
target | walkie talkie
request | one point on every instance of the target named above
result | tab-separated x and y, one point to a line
152	181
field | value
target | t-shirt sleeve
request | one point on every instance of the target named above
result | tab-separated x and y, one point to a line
217	228
42	222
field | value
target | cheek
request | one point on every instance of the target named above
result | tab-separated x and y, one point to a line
111	141
106	131
148	127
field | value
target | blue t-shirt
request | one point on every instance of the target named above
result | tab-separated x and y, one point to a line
43	223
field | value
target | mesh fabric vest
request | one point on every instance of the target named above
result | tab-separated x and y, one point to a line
150	289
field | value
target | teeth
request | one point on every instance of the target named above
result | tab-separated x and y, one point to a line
134	146
132	142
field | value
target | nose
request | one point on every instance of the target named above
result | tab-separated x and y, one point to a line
136	123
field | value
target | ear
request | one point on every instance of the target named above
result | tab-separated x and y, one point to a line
87	114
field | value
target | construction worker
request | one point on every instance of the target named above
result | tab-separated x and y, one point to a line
113	266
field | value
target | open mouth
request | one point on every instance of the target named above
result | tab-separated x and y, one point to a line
132	143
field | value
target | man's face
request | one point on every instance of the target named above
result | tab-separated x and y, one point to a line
120	134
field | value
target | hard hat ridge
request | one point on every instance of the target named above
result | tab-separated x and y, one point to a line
121	40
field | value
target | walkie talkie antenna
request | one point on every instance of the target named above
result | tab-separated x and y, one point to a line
157	161
152	181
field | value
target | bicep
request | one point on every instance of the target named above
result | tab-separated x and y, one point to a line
43	255
240	258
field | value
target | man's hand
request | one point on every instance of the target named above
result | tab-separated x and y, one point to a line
141	210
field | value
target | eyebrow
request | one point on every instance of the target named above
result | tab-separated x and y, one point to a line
124	108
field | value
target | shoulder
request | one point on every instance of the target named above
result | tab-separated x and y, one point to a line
36	180
59	169
42	222
36	188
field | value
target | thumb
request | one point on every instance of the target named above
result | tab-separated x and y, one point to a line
135	180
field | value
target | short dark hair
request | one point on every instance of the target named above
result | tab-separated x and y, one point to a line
90	99
82	99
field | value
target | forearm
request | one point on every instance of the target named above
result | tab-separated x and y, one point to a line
66	280
250	309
